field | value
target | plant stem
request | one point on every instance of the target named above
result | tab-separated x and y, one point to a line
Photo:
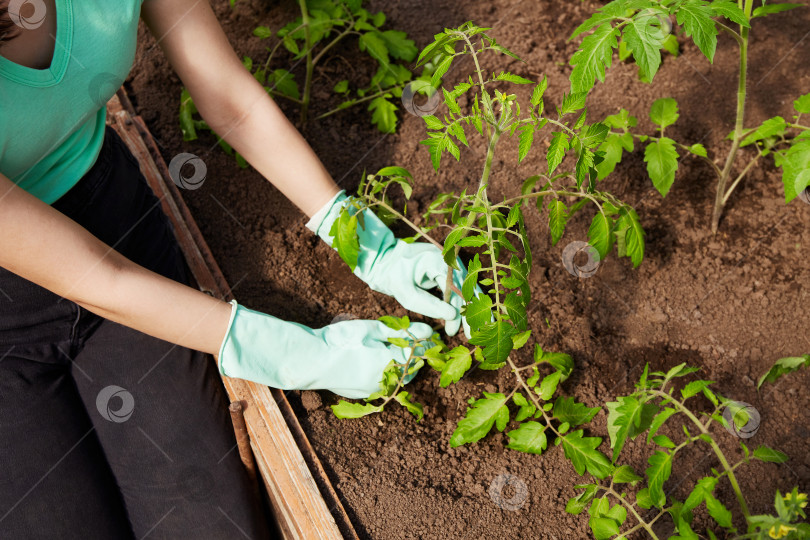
740	177
310	65
719	201
717	451
646	526
361	100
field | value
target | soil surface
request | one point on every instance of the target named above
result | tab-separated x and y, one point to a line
731	304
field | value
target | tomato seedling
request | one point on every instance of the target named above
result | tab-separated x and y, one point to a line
642	29
620	492
498	318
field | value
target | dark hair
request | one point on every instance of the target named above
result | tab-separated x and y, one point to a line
7	27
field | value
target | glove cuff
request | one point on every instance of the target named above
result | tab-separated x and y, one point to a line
321	222
220	355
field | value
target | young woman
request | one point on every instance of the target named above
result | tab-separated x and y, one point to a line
113	420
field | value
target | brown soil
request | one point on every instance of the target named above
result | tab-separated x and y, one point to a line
731	304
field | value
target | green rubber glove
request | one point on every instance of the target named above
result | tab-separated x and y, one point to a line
396	268
347	358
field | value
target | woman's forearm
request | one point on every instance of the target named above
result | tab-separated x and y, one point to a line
42	245
260	132
234	104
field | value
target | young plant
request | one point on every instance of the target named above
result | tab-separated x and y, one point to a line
323	24
622	493
642	28
497	317
395	375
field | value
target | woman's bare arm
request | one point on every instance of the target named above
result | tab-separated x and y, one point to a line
234	104
42	245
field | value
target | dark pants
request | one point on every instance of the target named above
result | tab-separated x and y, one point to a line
105	432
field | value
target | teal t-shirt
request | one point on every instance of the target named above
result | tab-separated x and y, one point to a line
52	120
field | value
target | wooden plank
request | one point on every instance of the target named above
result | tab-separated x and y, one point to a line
279	445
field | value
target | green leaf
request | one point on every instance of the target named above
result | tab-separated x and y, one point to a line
516	309
795	164
698	149
458	362
283	82
664	112
549	385
384	114
802	105
344	231
345	409
557	218
671	45
693	388
600	235
696	18
624	474
613	148
341	87
398	45
478	312
556	151
662	162
718	511
396	323
594	57
573	102
566	409
496	338
510	77
584	456
643	499
526	140
773	8
603	528
519	340
399	342
372	42
560	361
631	235
480	419
529	437
527	407
187	112
414	408
663	440
576	505
769	455
658	421
539	90
644	45
730	11
769	128
782	367
262	32
627	418
658	472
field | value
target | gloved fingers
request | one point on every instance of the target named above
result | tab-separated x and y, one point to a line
377	331
451	326
420	301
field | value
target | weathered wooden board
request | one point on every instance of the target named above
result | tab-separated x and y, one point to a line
303	500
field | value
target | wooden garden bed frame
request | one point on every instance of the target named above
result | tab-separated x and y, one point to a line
303	500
